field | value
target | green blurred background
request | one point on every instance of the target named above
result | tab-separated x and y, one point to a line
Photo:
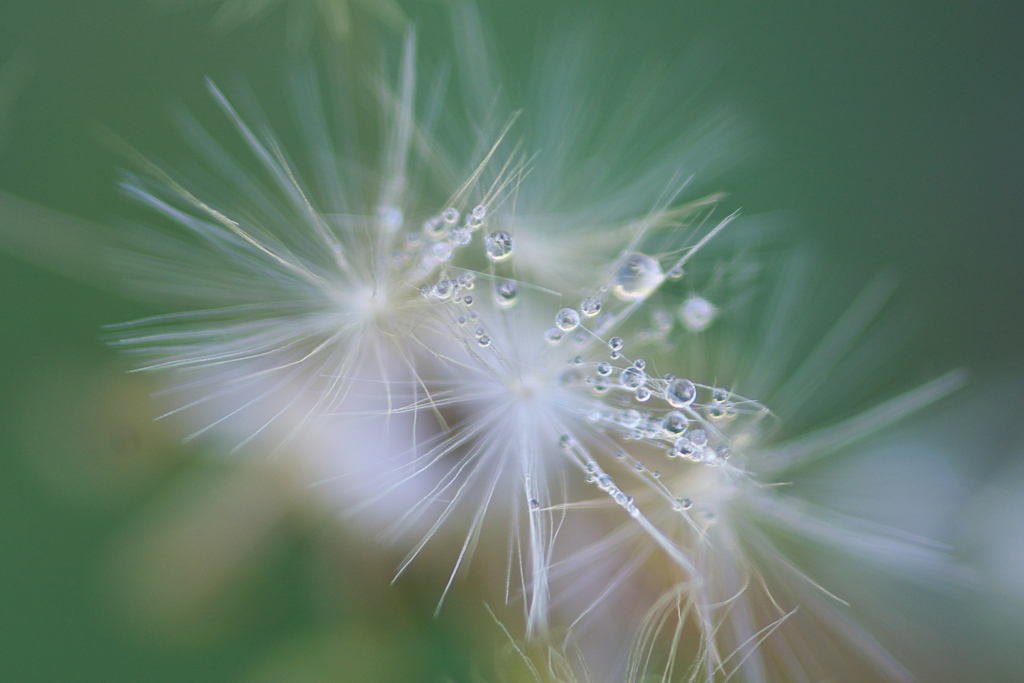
889	136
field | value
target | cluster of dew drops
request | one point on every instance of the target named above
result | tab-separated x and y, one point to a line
671	413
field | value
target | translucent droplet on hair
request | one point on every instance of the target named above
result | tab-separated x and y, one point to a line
450	215
680	393
637	277
643	394
498	246
434	228
615	343
674	423
567	319
534	504
632	378
697	313
604	369
565	441
720	395
676	273
506	293
484	340
590	307
553	336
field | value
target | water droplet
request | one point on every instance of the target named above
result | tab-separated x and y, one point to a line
578	360
450	215
637	277
680	393
632	378
629	418
697	313
567	319
683	447
553	336
466	280
615	343
479	211
443	290
461	320
462	237
675	423
441	251
605	482
434	228
484	340
506	293
639	364
639	467
604	369
590	307
565	441
676	273
498	246
534	504
656	474
699	437
720	396
715	411
468	300
643	394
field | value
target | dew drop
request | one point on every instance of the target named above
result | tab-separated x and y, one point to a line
590	307
565	441
720	395
567	319
462	237
553	336
498	246
604	369
443	290
506	293
637	277
479	211
640	467
643	394
629	418
534	504
680	393
466	280
468	300
676	273
434	228
461	320
484	340
615	343
699	437
640	364
632	378
604	482
450	215
674	423
697	313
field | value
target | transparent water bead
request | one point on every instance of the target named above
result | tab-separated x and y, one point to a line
554	335
674	423
637	277
565	441
484	340
498	246
567	319
506	293
590	307
676	273
450	215
443	290
632	378
615	343
643	394
697	313
680	393
604	369
466	280
434	228
476	217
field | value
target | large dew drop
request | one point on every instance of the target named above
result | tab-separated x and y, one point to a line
567	319
680	393
506	293
637	277
498	246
